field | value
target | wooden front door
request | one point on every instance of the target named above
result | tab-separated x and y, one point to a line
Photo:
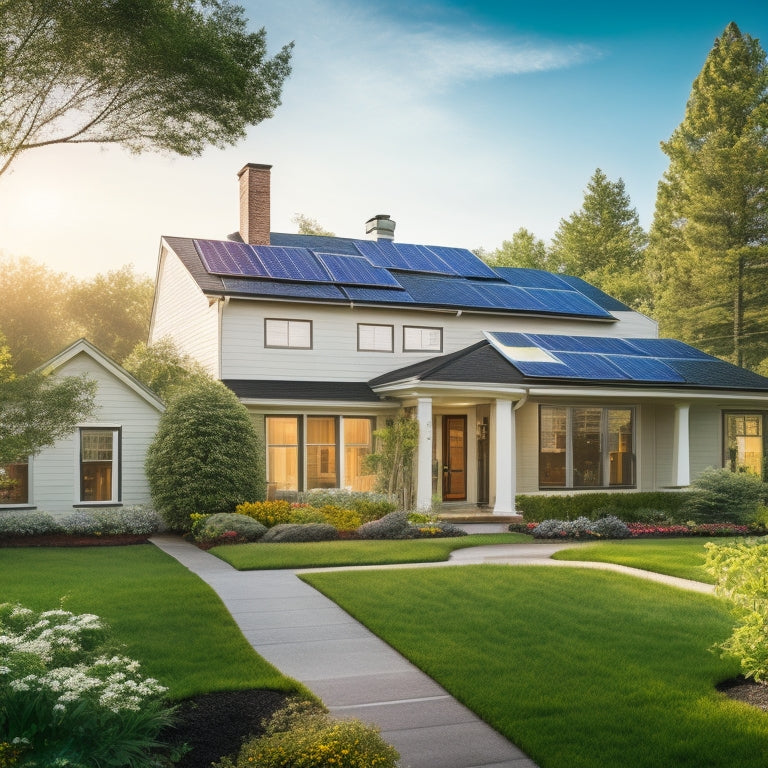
454	458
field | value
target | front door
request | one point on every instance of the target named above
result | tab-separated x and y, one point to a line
454	458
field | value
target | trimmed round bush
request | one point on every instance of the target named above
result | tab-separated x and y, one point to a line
206	456
610	527
722	496
246	528
292	532
582	528
109	521
392	526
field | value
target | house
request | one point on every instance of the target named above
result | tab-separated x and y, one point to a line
101	464
521	381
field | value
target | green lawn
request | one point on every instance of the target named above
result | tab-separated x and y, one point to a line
324	554
581	669
167	617
674	557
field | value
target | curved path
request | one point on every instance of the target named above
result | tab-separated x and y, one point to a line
308	637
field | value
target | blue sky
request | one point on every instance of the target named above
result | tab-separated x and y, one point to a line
463	121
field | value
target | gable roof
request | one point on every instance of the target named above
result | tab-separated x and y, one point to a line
83	346
382	273
535	359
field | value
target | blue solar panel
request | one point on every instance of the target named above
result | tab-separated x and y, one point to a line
645	369
229	258
510	339
463	262
286	289
419	258
532	278
377	295
291	264
669	348
443	291
503	296
355	270
568	303
588	366
590	344
541	370
381	253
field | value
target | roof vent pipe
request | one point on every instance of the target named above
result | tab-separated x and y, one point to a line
381	226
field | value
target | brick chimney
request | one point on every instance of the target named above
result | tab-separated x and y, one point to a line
254	203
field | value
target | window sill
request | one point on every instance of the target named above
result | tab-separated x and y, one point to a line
87	504
16	506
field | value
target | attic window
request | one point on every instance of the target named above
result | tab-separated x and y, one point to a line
528	354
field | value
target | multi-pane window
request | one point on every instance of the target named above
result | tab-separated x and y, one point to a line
99	473
358	443
321	452
375	338
293	334
14	483
586	447
744	442
421	339
283	452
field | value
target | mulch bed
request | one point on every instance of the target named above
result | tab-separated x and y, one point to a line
747	691
65	540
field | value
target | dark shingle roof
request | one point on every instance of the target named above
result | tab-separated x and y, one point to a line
342	391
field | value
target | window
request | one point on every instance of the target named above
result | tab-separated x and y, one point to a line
99	468
293	334
283	452
586	447
14	483
358	443
375	338
321	452
416	339
744	438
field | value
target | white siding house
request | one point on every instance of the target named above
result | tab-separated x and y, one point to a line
102	462
521	381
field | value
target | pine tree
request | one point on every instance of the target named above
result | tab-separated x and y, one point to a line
709	239
603	242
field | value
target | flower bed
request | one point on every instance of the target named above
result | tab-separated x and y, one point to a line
566	530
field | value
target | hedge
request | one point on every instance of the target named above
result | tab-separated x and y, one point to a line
630	507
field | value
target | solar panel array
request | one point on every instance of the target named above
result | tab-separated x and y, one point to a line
384	272
608	359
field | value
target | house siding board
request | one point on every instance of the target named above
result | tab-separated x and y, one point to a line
664	429
55	481
705	438
527	431
184	314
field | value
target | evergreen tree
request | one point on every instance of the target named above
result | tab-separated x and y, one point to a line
709	239
523	250
603	243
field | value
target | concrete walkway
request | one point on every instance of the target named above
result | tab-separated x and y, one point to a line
309	638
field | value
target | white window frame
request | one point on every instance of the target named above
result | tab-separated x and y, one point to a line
375	337
422	338
282	333
116	465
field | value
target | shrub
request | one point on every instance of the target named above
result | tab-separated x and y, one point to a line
741	571
341	519
297	533
438	530
27	523
110	521
212	527
67	699
722	496
303	515
206	455
373	508
304	736
392	526
268	513
582	528
628	506
370	506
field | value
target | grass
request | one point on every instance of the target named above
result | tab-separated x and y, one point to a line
167	617
325	554
683	558
580	669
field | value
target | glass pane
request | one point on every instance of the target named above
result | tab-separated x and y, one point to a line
587	467
283	463
96	480
744	433
357	432
552	447
96	445
321	429
277	333
321	466
14	483
620	450
358	439
300	334
282	430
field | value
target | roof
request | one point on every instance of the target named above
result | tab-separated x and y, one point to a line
529	359
263	389
367	272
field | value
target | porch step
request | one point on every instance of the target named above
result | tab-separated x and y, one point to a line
478	517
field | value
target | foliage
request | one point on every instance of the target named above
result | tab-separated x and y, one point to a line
709	238
213	527
603	243
523	250
68	699
395	525
168	75
301	532
268	513
370	506
341	519
741	570
38	409
16	522
302	735
162	367
394	457
310	226
722	496
582	528
205	457
112	310
630	507
112	521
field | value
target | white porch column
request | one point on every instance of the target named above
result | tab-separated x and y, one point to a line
681	450
424	454
506	460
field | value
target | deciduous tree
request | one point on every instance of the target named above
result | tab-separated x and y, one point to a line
523	250
309	226
709	239
168	75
